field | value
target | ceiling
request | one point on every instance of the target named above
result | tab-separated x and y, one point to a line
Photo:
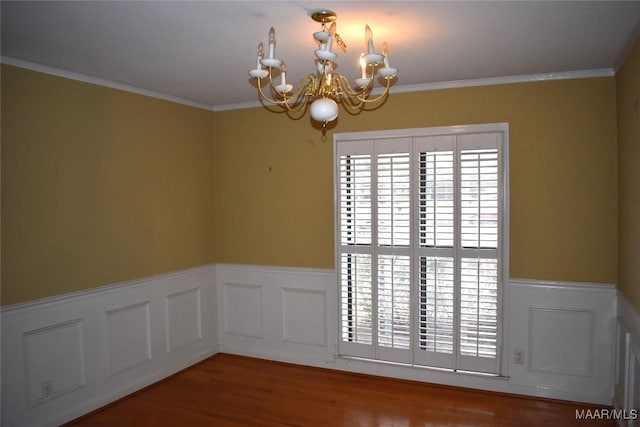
200	52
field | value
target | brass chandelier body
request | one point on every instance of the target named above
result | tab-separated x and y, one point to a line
324	88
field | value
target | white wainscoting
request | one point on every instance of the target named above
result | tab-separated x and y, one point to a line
67	355
565	331
70	354
627	366
278	313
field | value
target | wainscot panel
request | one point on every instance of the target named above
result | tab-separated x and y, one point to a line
278	313
627	366
70	354
564	336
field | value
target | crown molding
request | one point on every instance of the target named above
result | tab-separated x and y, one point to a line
453	84
86	78
421	87
501	80
238	106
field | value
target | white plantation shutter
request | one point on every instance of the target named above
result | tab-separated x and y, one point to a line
419	228
436	212
393	240
479	258
356	276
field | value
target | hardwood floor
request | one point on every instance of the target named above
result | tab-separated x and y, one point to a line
228	390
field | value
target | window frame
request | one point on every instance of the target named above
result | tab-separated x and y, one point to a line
411	135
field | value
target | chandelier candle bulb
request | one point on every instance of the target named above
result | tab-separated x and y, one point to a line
332	33
283	87
368	35
385	52
258	72
260	54
272	43
363	66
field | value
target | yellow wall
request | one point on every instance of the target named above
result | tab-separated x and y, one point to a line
99	186
274	176
628	97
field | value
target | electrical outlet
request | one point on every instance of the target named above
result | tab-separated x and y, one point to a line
518	357
47	388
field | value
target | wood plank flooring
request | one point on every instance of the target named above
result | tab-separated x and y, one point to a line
228	390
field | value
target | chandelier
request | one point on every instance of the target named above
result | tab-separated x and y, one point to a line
323	89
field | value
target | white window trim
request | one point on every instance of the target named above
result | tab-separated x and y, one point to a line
502	128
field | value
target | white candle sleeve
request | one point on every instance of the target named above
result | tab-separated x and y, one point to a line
272	43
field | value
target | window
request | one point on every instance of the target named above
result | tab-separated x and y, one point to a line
420	241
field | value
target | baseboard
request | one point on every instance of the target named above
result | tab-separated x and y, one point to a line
70	354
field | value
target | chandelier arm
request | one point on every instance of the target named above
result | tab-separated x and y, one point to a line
302	94
285	102
381	96
310	86
348	90
272	86
348	96
361	96
300	103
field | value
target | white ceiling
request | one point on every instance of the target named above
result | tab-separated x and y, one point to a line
201	51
